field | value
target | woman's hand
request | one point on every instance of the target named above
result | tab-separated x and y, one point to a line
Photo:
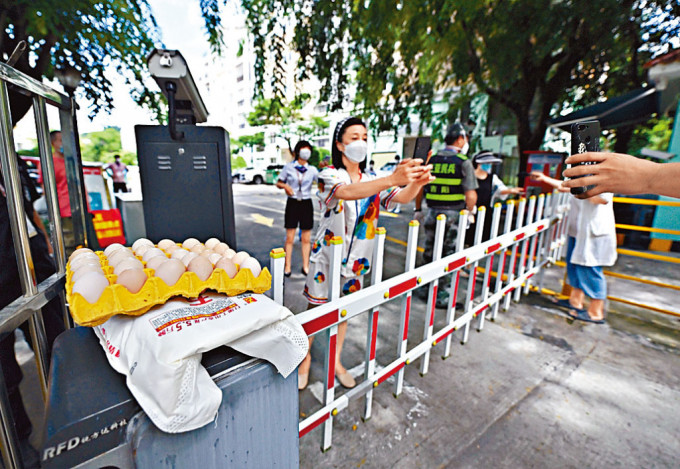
409	171
289	190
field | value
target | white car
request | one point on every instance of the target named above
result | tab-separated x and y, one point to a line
249	174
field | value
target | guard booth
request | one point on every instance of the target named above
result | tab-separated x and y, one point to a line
91	419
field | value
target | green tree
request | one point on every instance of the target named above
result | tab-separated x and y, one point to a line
529	56
277	111
101	146
90	36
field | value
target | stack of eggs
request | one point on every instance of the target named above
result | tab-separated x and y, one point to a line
168	261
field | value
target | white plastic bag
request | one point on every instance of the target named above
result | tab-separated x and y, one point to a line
160	351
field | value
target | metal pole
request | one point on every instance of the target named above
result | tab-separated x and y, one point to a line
276	261
525	245
411	252
513	259
509	212
440	227
472	278
495	221
372	326
455	280
22	247
50	191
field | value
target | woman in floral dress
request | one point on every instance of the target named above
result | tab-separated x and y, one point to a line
351	202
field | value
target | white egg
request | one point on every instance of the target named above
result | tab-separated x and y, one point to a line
240	257
198	248
201	267
190	243
78	252
155	262
179	253
228	266
220	248
125	264
139	252
88	266
119	255
170	271
166	243
229	253
153	252
188	257
86	258
211	243
207	253
171	249
132	279
111	248
140	242
252	264
91	286
85	269
214	257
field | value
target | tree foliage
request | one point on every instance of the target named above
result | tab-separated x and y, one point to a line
528	55
91	36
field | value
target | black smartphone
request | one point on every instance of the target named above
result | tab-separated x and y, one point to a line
422	148
585	137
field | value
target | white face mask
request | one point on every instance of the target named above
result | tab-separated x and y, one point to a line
466	147
356	151
305	153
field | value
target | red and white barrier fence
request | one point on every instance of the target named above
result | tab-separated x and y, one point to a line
538	239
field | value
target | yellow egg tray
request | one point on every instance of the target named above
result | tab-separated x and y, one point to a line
116	299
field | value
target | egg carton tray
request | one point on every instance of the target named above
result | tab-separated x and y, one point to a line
116	299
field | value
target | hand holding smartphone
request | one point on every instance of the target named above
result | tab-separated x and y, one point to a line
585	137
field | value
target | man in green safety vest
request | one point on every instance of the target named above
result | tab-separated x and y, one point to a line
452	191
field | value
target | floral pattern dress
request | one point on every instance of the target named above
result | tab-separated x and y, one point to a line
356	222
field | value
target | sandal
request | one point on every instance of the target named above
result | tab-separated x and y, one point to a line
564	303
287	274
304	272
303	379
583	315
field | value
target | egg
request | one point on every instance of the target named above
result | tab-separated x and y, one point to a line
87	265
214	258
132	279
85	269
201	267
153	252
84	259
119	255
111	248
190	243
171	249
170	271
140	242
211	243
78	252
155	262
228	266
240	257
207	253
220	248
199	248
166	243
141	250
125	264
252	264
91	286
229	253
188	258
179	253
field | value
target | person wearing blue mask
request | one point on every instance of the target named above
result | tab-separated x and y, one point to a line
296	179
489	191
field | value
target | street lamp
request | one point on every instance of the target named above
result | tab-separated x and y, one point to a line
69	78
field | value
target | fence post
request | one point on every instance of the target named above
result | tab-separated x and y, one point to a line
372	327
432	291
534	242
277	259
472	278
411	250
513	259
495	221
332	337
507	228
546	238
455	280
525	246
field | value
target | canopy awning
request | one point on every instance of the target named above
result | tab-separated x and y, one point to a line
629	108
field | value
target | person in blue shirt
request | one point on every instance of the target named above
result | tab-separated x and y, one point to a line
297	178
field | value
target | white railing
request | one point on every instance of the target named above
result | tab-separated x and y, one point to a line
537	240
